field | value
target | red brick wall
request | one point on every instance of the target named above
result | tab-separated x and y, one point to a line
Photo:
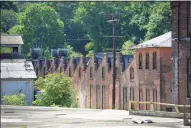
143	79
181	50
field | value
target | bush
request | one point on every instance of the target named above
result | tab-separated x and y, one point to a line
57	90
14	99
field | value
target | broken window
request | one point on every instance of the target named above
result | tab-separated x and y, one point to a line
131	73
147	60
154	60
140	61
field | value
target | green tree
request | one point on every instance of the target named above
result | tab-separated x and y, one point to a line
57	89
159	20
41	26
125	48
8	20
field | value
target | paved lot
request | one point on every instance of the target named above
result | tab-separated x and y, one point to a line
44	117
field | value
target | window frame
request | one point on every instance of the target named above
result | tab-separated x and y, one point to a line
154	60
79	73
147	61
131	73
103	73
140	61
91	73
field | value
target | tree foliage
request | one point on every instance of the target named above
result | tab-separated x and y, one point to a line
54	24
41	26
57	89
14	99
8	19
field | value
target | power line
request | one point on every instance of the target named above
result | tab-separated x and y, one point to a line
112	21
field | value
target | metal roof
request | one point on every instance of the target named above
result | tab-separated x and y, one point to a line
159	41
11	40
17	68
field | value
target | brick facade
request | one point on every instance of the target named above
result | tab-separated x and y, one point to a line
92	78
181	50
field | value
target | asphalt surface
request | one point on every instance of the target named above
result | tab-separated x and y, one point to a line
47	117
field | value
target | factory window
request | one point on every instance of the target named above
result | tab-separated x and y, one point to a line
103	96
131	73
132	94
103	73
91	96
154	60
147	60
155	98
148	98
91	73
140	61
79	73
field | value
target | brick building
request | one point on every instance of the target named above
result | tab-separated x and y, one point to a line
151	66
181	50
146	76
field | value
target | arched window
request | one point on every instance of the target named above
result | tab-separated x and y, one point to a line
141	98
103	96
91	73
140	61
148	98
131	93
147	60
103	73
155	98
79	73
154	60
131	73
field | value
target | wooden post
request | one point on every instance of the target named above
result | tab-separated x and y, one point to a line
129	105
152	106
176	108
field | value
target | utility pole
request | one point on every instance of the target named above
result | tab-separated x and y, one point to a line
112	21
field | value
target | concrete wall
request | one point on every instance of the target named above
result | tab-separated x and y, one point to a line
11	87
